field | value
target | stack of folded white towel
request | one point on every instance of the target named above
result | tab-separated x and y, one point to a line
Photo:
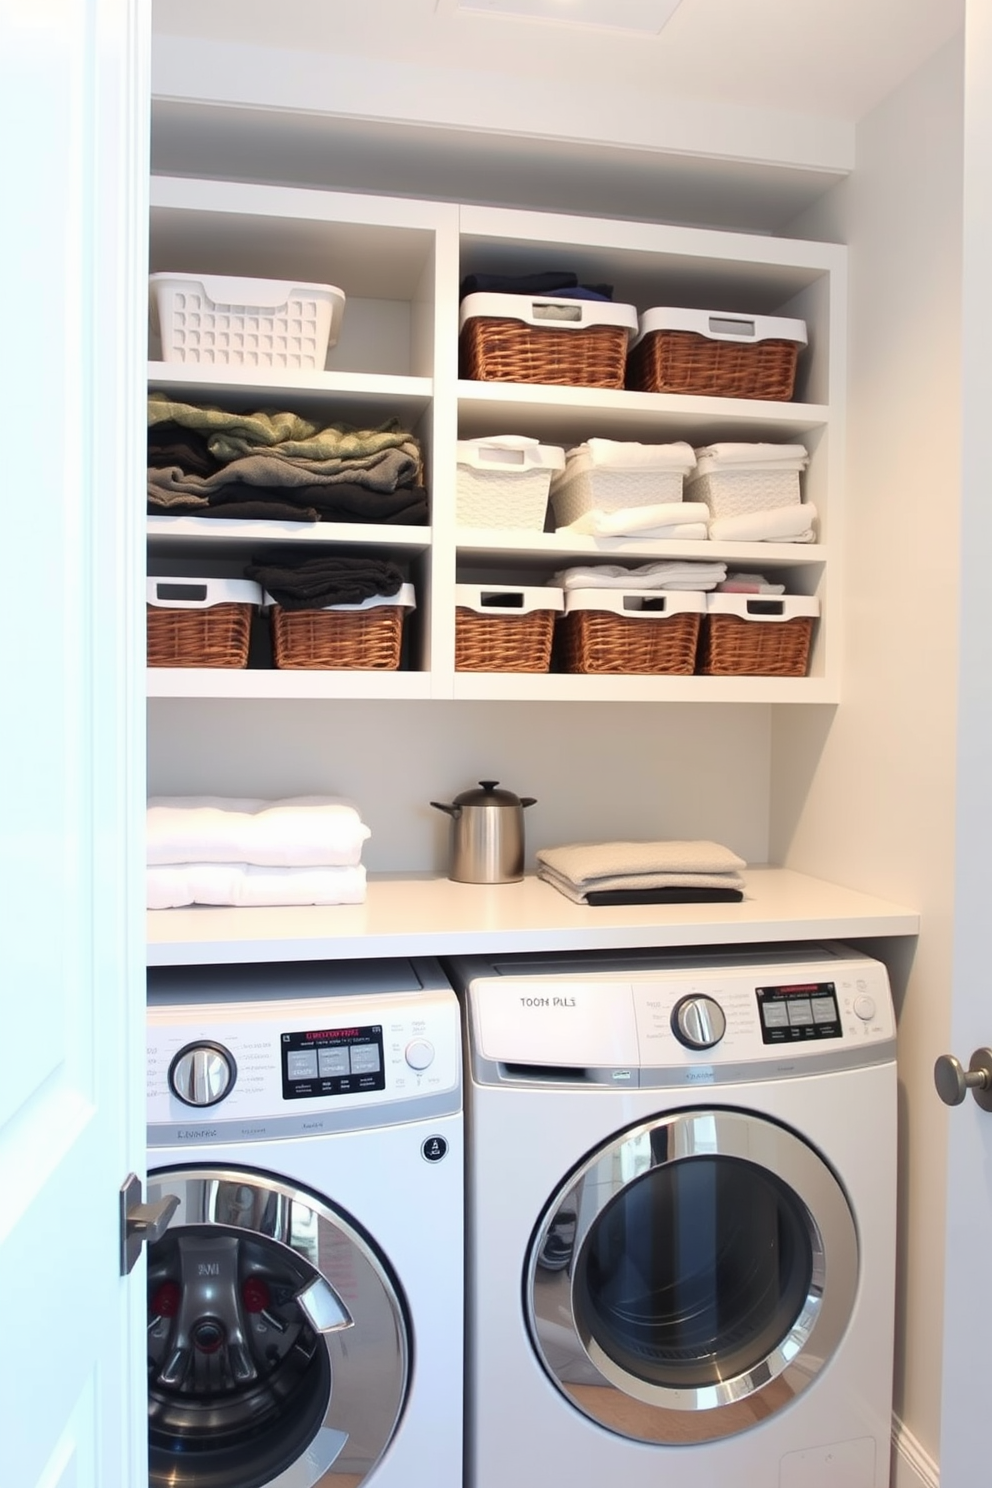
673	574
752	493
643	872
224	850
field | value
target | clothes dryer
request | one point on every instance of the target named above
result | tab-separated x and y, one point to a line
305	1302
681	1219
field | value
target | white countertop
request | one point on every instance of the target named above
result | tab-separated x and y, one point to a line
424	915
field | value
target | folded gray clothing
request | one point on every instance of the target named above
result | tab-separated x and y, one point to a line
173	501
588	864
383	472
638	881
231	435
338	501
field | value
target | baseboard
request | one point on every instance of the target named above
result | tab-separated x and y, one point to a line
912	1467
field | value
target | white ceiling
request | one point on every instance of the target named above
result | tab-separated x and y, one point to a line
827	58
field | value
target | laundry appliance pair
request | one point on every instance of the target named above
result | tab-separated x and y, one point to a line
305	1323
681	1216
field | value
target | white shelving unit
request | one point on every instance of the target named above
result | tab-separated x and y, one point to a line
400	263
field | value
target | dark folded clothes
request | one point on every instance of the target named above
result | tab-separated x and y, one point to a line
551	282
260	511
170	444
672	894
340	501
313	583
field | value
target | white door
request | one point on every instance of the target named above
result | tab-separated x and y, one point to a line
73	171
967	1367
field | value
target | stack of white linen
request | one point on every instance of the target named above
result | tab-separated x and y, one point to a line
243	851
752	492
671	574
622	488
617	873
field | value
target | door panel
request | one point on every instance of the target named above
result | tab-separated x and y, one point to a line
73	114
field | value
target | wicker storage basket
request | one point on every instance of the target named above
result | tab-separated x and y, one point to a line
224	321
712	354
502	485
500	628
200	622
627	630
512	338
745	635
586	486
357	637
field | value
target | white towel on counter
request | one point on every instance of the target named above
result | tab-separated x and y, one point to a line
293	832
674	574
671	519
792	524
246	885
736	456
628	454
592	865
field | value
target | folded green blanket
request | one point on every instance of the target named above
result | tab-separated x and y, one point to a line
233	435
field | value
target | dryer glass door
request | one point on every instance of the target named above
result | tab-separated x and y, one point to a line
278	1350
693	1276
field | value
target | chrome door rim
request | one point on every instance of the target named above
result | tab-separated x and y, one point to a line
679	1136
198	1188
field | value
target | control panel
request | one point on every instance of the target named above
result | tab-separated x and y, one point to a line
267	1067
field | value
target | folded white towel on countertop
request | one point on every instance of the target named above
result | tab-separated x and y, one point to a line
732	456
593	865
628	454
674	574
638	521
578	892
297	831
777	524
244	885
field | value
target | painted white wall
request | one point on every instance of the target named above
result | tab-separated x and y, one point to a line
597	772
869	797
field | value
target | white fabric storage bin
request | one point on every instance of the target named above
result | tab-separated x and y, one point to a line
504	482
643	475
219	320
734	481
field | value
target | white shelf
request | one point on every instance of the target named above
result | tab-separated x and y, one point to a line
193	535
555	687
578	413
418	915
350	392
519	543
224	684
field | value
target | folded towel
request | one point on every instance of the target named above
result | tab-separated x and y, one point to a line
297	831
671	575
732	456
658	888
746	583
628	454
314	583
385	471
777	524
583	862
634	521
244	884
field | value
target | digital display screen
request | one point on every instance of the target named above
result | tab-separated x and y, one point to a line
332	1061
798	1013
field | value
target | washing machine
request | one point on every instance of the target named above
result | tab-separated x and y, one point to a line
681	1203
305	1301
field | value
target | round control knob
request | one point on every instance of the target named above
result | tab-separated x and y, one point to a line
419	1053
698	1022
864	1006
202	1074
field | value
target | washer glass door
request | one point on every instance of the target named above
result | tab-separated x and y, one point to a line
693	1276
278	1349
